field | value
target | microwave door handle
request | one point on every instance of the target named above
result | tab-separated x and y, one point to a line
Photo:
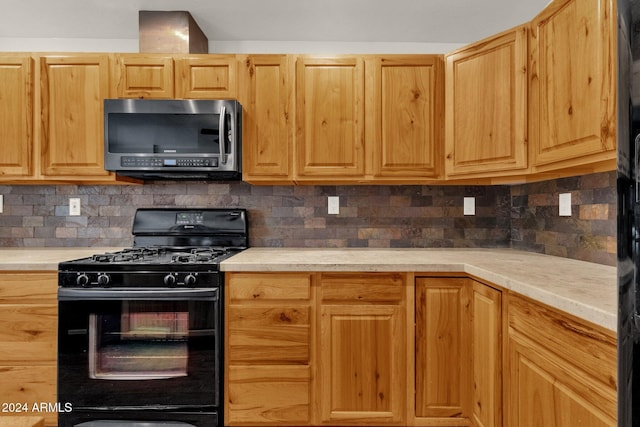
221	135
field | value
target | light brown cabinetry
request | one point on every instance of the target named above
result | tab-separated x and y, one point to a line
362	350
269	319
72	92
486	107
572	109
458	362
266	95
16	115
28	339
562	371
174	76
330	118
404	116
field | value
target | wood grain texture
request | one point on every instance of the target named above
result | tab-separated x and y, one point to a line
206	77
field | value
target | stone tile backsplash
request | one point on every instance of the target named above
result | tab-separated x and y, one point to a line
521	216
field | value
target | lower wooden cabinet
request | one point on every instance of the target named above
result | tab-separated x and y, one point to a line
562	371
28	340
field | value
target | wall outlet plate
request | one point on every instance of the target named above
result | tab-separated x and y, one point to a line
1	203
74	206
469	205
333	205
564	204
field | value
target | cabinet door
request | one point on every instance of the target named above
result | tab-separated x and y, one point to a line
206	77
361	363
443	357
573	68
486	101
486	350
143	76
72	92
266	95
330	118
405	105
16	116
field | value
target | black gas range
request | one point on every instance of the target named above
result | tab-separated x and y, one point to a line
171	248
140	330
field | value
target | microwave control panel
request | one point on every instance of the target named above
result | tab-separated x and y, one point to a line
154	162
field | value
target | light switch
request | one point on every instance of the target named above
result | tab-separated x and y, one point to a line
564	203
469	205
74	206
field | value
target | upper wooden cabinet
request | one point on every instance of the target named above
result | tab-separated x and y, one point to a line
175	76
404	116
572	85
266	95
486	107
72	90
16	116
330	118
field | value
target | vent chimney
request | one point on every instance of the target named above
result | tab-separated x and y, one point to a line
170	32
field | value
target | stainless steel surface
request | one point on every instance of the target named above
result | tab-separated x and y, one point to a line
170	32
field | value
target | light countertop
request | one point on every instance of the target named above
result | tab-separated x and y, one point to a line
586	290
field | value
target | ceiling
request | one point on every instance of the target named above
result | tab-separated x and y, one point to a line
370	21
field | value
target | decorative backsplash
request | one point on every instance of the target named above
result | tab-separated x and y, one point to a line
521	216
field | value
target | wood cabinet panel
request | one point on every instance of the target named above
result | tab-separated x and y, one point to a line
405	105
19	287
266	94
143	76
366	287
366	385
561	370
29	333
279	335
443	357
31	385
72	92
206	77
486	106
269	395
572	84
16	115
269	286
330	117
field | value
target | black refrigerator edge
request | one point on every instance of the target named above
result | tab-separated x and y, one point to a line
628	223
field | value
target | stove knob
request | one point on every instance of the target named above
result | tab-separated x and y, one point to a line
82	280
190	280
103	280
169	280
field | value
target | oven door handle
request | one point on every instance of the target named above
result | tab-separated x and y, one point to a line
148	294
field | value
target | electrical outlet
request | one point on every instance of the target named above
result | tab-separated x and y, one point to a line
333	205
564	204
1	203
74	206
469	206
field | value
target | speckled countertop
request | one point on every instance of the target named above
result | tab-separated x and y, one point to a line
584	289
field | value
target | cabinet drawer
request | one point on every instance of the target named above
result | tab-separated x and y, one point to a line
589	347
262	334
266	286
262	394
23	287
368	287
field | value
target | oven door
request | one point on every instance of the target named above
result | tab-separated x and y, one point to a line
132	348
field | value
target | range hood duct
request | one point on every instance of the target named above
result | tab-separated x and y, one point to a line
170	32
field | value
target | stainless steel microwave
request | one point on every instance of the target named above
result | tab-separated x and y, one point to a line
173	139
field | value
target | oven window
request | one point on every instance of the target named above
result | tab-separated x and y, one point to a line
146	340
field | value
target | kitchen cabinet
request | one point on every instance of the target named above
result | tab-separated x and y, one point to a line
175	76
562	371
572	108
486	107
330	118
72	90
16	115
404	116
266	95
362	348
28	339
458	352
269	320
